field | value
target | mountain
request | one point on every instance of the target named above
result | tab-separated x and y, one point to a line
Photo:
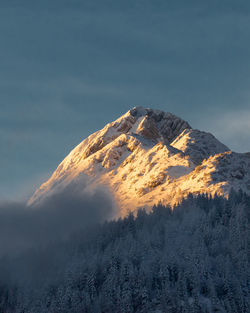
148	156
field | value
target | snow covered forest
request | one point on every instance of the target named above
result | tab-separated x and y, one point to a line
194	258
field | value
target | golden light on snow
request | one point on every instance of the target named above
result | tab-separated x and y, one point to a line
148	156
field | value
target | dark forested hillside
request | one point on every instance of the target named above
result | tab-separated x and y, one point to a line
194	258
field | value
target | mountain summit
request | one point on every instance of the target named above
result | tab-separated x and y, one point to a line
147	156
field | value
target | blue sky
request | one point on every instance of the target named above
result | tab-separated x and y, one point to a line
70	67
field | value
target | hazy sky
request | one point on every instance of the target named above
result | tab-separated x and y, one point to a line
68	67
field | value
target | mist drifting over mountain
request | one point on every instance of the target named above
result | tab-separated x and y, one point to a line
194	258
145	215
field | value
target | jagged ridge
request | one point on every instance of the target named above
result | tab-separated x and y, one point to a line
147	156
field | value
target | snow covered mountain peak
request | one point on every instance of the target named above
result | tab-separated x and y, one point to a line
147	156
156	124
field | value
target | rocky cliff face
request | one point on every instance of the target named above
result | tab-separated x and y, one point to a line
147	156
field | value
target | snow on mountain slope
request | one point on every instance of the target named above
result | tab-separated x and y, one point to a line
147	156
198	145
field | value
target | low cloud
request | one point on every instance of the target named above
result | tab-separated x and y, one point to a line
58	217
